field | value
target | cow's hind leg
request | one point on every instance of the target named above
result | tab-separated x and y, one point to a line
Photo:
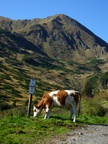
73	111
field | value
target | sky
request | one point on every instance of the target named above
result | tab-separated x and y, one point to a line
93	14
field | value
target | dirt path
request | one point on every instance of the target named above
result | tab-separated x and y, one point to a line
92	134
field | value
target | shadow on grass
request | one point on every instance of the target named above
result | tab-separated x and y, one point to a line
58	117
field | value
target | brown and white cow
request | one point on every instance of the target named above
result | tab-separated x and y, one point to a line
64	98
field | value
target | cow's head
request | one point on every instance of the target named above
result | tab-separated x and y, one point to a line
36	111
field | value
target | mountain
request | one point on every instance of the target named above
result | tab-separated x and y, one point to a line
53	50
60	37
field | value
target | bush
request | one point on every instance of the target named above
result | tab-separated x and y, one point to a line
104	80
92	86
4	106
93	107
13	104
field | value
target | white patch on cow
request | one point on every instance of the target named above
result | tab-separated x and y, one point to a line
55	101
54	98
53	92
47	115
36	111
70	91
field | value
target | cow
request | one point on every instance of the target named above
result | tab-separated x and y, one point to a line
62	98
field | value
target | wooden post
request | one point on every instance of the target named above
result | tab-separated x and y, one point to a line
31	91
29	105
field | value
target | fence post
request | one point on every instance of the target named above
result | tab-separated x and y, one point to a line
31	91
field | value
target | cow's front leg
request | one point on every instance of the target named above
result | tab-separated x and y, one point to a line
47	115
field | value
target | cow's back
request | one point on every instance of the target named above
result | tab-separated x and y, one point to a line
59	97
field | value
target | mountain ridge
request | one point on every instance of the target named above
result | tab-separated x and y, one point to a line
59	31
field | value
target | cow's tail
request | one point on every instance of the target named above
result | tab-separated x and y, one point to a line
79	99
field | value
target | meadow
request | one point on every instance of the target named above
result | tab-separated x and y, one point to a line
17	128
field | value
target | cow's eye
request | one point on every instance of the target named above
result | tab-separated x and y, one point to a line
35	110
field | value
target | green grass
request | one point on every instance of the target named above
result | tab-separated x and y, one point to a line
91	120
17	128
23	130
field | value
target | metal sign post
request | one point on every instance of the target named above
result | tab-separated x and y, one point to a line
31	92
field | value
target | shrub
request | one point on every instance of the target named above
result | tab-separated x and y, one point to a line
92	86
104	80
4	106
96	61
13	104
93	107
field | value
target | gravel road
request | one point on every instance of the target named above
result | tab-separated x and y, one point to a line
92	134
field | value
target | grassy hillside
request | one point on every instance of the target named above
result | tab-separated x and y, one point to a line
20	60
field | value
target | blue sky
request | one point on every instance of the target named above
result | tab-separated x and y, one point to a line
90	13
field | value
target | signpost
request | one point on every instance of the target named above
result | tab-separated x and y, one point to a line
31	92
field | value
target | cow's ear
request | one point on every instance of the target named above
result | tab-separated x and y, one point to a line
34	107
